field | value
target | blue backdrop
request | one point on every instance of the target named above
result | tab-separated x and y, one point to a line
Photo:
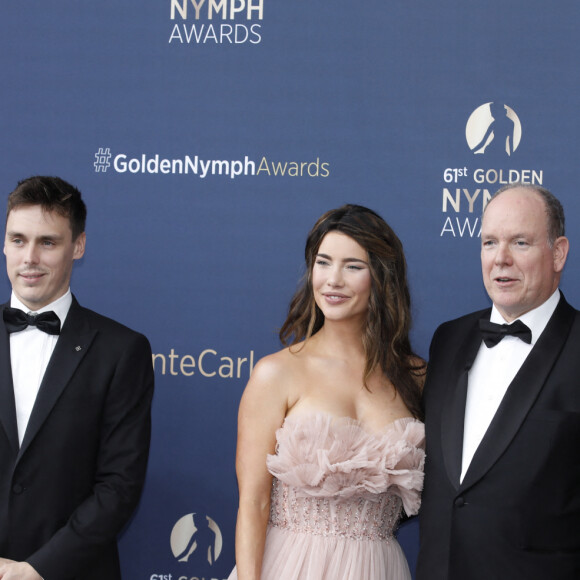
207	137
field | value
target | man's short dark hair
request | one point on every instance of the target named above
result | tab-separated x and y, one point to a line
52	194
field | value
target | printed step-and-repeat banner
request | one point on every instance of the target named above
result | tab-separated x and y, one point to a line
207	136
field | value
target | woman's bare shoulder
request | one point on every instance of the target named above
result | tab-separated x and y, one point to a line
274	366
278	371
280	378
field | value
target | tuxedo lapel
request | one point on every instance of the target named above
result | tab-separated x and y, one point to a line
452	418
7	404
72	345
522	393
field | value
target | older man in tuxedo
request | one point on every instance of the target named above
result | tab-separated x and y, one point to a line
75	400
502	405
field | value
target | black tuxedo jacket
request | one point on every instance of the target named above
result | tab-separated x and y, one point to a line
516	515
69	489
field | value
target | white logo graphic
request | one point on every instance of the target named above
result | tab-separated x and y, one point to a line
102	157
493	127
187	538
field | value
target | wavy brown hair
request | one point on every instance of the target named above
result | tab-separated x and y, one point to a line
388	322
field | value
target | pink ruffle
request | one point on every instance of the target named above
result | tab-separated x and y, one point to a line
324	456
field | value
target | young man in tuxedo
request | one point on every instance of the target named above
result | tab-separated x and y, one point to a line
502	406
75	402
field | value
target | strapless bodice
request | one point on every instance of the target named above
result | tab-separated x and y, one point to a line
332	477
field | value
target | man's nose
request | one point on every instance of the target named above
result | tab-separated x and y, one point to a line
31	254
503	254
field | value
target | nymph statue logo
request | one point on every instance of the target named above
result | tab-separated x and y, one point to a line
493	127
196	537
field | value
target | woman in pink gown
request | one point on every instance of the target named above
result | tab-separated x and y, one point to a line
330	439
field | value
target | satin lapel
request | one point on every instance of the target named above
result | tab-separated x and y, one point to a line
452	417
7	404
72	346
522	393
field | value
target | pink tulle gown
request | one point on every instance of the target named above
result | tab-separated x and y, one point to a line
337	495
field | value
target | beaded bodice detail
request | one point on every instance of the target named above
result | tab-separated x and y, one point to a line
333	478
359	520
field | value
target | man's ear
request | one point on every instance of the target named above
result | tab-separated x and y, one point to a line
560	251
79	246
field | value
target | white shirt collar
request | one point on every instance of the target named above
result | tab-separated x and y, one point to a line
60	306
535	319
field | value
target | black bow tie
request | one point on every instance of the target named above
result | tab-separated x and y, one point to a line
492	333
15	320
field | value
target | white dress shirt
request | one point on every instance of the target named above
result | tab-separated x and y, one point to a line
30	352
492	372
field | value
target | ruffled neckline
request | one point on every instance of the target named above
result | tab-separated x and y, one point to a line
335	419
323	455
